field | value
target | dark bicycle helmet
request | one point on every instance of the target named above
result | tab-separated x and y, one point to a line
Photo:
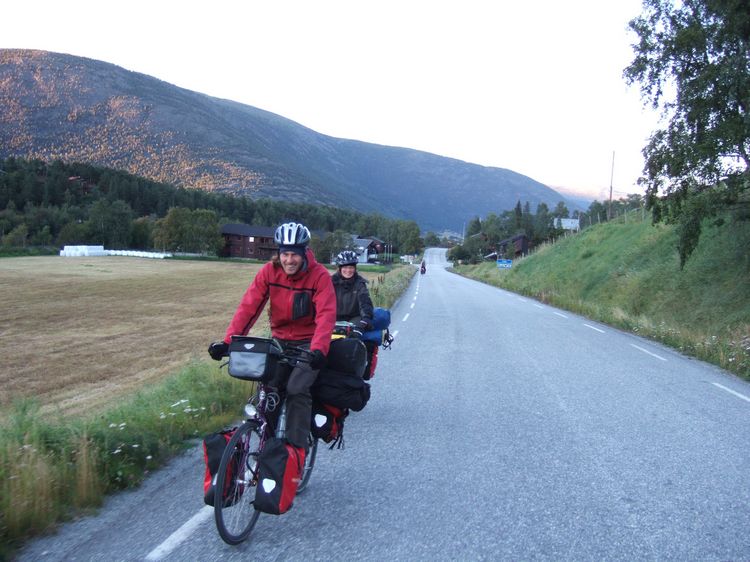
347	257
292	234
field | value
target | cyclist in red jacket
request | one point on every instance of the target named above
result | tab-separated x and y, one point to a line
303	312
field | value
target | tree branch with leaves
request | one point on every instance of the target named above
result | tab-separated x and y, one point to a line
692	61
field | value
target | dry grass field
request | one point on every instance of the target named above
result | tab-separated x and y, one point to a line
77	333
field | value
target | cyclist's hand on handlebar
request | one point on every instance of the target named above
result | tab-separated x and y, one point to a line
364	325
218	350
317	359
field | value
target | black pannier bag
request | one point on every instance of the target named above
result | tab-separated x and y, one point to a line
213	448
340	389
348	355
253	359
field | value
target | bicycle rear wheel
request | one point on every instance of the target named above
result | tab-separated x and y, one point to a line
310	451
238	474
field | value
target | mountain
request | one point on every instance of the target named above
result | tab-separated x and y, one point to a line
58	106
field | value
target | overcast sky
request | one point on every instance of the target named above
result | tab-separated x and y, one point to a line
535	87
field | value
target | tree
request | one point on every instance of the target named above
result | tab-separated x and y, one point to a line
561	211
109	223
326	249
203	234
474	227
692	61
542	224
17	237
408	240
431	240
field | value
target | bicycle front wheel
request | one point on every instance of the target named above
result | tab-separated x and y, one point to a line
310	451
235	485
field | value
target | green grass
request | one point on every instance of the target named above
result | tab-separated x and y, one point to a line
53	468
628	275
30	251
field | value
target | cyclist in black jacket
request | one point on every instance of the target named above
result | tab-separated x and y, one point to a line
353	302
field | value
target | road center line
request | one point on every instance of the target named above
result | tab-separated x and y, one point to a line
412	305
594	328
538	305
730	391
647	351
394	334
175	539
405	318
561	314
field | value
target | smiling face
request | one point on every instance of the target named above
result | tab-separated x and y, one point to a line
291	262
348	271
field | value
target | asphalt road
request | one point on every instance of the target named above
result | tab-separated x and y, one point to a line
499	429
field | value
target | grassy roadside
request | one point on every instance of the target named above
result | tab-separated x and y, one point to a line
627	274
54	466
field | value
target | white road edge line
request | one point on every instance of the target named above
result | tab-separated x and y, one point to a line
561	314
394	334
405	318
647	351
594	328
175	539
412	305
730	391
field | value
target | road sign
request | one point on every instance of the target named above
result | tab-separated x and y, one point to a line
504	264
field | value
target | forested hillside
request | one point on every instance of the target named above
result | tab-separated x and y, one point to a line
56	204
61	107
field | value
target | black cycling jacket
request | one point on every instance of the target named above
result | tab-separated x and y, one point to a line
352	298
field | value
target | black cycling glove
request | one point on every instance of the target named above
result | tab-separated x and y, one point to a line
317	360
218	350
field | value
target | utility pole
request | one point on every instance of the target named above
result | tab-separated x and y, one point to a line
611	177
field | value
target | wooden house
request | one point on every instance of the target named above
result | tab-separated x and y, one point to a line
245	241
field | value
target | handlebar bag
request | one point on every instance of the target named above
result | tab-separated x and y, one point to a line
348	355
253	359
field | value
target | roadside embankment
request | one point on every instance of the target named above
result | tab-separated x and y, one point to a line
627	274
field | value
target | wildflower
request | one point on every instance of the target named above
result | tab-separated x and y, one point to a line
112	425
149	457
135	445
183	401
162	416
117	451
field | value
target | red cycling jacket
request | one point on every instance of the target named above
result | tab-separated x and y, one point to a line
303	306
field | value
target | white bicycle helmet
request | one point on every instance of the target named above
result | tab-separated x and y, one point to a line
292	234
347	257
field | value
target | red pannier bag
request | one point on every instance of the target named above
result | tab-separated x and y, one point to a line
279	473
213	447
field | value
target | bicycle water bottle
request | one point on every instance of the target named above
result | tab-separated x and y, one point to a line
281	425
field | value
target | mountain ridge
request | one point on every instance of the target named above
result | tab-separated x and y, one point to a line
58	106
